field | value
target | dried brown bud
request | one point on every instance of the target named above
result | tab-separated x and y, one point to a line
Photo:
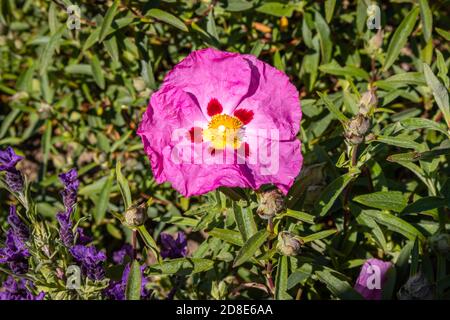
416	288
357	129
440	243
368	101
271	203
136	215
289	244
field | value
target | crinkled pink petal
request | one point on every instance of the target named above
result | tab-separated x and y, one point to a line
367	284
237	82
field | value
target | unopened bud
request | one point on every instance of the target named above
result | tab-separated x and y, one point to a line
136	215
357	129
289	244
440	243
375	43
368	101
271	203
416	288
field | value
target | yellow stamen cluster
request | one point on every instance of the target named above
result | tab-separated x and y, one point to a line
223	130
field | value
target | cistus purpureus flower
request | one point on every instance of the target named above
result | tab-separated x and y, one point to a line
71	183
173	248
371	279
18	290
223	119
18	226
8	161
91	260
15	254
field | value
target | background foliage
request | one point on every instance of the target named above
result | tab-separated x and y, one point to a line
74	98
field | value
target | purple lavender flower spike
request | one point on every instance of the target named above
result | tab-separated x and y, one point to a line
15	253
119	255
71	184
8	161
91	261
19	228
173	248
65	228
371	279
116	289
18	290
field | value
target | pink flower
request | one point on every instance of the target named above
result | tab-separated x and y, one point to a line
371	279
223	119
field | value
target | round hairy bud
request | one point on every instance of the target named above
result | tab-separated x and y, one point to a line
416	288
440	243
136	215
271	203
289	244
357	128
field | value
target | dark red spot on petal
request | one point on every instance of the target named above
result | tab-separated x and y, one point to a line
212	151
214	107
244	115
196	134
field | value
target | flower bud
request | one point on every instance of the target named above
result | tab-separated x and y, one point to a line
136	215
357	129
270	204
416	288
289	244
440	242
368	101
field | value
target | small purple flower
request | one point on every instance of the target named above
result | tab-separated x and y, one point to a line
173	248
15	253
65	227
371	279
18	290
8	161
19	228
91	261
119	255
116	289
82	237
71	184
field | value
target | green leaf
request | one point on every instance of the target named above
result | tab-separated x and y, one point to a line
348	71
133	289
250	247
326	45
50	48
107	21
400	37
337	284
302	216
329	9
331	193
123	186
167	18
383	200
103	200
399	141
277	9
331	106
182	266
425	204
444	33
149	241
395	224
427	19
231	236
401	80
318	235
97	72
281	279
440	93
244	220
422	123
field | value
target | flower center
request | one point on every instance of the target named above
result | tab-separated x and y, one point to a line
223	130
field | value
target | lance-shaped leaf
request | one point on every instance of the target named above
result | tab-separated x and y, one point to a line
440	93
250	247
134	281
